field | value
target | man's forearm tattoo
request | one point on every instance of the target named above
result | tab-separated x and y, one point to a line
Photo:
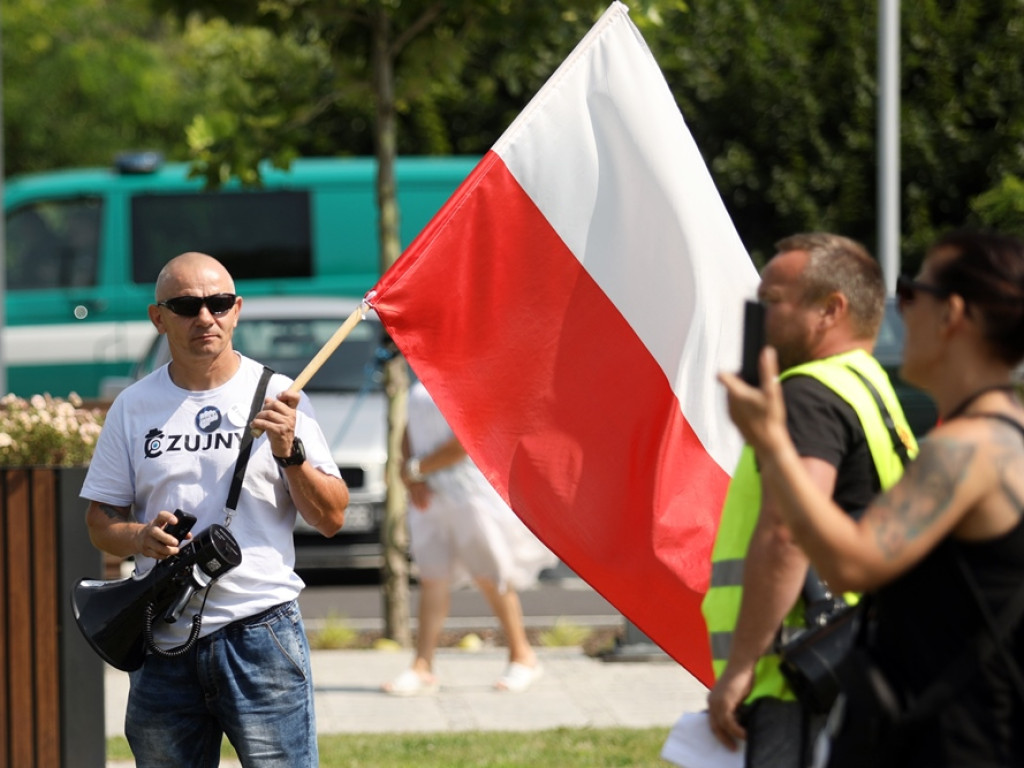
910	508
123	515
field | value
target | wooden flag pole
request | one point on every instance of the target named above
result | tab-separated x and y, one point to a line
327	349
325	352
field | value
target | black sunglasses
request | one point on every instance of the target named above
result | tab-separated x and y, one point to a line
907	288
191	306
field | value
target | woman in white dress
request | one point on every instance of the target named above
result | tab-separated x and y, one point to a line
460	530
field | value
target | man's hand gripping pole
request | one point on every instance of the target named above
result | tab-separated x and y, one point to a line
326	351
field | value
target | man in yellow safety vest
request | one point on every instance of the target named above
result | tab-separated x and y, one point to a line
824	299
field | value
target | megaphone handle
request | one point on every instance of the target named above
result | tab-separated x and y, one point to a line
174	612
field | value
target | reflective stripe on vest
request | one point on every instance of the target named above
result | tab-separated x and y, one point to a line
742	506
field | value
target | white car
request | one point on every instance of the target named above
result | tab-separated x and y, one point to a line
285	333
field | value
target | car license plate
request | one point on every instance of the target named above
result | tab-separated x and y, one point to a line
358	518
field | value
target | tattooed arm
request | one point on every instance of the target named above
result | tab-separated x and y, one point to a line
116	531
958	484
964	482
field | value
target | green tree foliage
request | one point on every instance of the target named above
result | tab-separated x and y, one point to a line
509	57
82	83
259	89
781	97
1002	207
963	110
462	72
782	100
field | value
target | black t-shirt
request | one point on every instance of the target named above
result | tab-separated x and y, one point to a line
824	426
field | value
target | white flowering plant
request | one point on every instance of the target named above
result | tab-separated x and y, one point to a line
47	431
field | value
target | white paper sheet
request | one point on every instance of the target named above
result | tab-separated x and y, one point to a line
691	744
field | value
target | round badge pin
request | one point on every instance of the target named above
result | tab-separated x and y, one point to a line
238	415
208	419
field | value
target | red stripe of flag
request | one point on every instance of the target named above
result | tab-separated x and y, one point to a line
554	401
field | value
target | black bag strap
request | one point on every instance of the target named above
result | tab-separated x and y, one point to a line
246	447
819	601
890	424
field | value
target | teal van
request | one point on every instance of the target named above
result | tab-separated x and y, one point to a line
83	249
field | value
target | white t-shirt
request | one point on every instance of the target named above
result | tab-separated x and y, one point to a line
167	448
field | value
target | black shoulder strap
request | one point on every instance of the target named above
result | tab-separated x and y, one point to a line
897	442
999	417
246	447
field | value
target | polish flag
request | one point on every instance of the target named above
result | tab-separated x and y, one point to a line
568	309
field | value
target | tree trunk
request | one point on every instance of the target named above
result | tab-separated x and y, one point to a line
395	576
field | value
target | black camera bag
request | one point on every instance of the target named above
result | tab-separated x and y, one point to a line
811	661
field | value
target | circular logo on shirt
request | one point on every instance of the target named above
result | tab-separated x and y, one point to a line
154	443
238	414
208	419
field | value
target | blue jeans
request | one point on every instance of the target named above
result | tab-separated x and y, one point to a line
250	680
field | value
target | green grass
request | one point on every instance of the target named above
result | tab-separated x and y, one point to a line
557	748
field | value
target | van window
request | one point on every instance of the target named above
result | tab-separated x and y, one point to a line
53	244
256	235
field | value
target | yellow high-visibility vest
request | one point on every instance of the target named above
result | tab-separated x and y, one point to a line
721	605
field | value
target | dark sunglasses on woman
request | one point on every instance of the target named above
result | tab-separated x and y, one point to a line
907	289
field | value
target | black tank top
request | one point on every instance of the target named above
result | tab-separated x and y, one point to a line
924	619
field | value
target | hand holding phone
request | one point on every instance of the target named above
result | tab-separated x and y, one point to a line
753	342
180	529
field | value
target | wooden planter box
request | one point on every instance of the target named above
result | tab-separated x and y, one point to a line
52	714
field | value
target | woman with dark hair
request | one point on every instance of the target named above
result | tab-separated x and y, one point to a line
941	554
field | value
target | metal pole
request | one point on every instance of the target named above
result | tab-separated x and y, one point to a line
889	140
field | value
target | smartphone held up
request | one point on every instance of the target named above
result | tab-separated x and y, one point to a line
753	342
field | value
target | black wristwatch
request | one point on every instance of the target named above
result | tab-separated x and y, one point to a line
298	455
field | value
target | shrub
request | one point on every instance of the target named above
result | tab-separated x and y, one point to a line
563	634
333	634
47	431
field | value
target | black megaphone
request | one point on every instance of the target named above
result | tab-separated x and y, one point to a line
116	615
